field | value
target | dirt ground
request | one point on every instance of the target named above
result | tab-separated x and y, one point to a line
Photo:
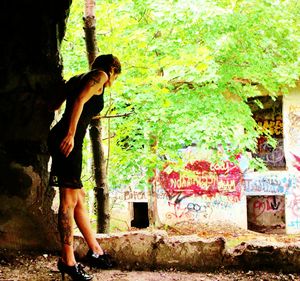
233	235
33	266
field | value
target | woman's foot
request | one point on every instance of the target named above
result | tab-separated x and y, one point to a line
76	272
104	261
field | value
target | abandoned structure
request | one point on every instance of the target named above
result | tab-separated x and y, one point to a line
261	201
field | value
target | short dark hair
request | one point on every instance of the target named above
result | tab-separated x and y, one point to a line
107	63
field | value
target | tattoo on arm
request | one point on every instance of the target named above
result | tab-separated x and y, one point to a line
95	79
65	226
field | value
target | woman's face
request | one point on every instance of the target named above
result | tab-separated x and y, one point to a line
112	79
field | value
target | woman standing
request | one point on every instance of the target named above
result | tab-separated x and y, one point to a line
84	100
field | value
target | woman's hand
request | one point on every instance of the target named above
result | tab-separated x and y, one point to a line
67	145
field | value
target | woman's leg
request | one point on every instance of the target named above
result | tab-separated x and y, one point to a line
84	225
68	202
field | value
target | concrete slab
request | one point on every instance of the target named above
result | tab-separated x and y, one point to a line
145	250
189	253
264	255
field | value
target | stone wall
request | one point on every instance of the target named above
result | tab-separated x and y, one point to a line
30	71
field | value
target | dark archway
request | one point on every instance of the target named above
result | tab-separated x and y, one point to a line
30	71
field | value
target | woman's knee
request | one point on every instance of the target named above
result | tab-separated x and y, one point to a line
69	197
81	198
81	194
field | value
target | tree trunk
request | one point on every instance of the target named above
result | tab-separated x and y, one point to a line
101	189
154	219
89	30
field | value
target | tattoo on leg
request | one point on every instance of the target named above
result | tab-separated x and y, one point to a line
65	226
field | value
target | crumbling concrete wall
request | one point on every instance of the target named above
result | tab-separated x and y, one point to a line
30	71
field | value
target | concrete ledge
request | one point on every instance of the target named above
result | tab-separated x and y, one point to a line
129	249
265	255
189	253
143	250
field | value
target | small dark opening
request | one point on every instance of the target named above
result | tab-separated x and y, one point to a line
140	215
266	214
269	118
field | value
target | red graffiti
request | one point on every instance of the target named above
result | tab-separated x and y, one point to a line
295	205
258	208
178	212
202	178
267	204
297	164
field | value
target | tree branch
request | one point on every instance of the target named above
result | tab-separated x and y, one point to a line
111	116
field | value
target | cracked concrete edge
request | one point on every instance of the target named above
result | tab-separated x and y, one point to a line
275	256
145	250
142	250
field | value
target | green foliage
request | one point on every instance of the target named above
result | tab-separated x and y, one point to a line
188	69
73	45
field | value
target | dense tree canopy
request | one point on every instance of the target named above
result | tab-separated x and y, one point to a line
188	68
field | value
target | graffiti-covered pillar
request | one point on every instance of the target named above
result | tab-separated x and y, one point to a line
291	125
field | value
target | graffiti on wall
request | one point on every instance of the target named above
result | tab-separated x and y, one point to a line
267	197
294	126
296	162
192	207
202	188
276	184
274	158
266	213
203	178
292	141
294	204
293	209
269	119
260	205
135	195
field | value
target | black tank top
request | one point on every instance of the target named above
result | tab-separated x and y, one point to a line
90	109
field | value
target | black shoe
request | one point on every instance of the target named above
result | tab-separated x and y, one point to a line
76	272
104	261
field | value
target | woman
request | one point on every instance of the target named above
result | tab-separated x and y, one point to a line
84	100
